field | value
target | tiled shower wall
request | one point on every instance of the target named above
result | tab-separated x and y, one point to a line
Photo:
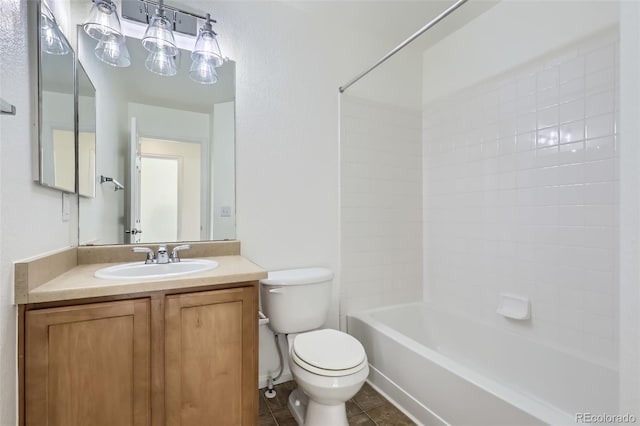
521	197
381	205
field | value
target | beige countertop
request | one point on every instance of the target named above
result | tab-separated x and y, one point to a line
78	281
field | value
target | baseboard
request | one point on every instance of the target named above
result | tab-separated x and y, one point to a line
414	409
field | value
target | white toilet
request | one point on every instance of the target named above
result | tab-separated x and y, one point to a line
329	366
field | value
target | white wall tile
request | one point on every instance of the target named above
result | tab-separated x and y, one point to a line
534	210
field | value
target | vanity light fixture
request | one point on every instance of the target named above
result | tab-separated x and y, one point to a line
103	25
206	55
159	34
207	44
103	21
51	38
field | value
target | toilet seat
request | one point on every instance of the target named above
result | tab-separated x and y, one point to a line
328	353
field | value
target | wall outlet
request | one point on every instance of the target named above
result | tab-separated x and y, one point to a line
225	211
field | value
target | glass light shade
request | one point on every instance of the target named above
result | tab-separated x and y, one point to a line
103	21
51	39
113	51
203	70
161	63
159	38
207	46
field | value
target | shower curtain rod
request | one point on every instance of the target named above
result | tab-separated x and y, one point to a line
403	44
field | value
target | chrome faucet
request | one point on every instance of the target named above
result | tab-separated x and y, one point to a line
162	256
175	257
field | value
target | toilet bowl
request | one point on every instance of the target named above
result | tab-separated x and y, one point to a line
329	366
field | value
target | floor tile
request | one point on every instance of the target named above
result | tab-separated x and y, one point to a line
267	420
360	419
284	417
367	398
352	408
389	415
368	407
264	408
282	395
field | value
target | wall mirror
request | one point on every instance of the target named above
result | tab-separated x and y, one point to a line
56	141
164	151
86	134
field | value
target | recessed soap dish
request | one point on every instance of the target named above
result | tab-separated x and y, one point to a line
514	307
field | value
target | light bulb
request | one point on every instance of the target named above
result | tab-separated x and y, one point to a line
161	63
113	51
203	70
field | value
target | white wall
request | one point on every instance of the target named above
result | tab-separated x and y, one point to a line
223	175
170	124
629	208
381	205
521	197
102	218
30	215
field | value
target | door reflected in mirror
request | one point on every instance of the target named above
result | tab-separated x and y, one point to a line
170	141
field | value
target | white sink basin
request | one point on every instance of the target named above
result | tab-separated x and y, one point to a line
140	270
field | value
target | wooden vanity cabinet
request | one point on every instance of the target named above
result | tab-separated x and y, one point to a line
210	376
103	364
88	365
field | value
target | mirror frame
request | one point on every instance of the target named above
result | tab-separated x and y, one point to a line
34	14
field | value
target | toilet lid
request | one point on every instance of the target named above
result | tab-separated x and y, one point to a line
329	350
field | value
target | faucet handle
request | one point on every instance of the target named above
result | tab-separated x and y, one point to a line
174	253
150	256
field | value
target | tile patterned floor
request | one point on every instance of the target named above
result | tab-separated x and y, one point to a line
368	407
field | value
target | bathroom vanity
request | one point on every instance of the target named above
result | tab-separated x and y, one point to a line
180	351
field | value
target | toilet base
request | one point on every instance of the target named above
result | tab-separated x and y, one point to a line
298	402
311	413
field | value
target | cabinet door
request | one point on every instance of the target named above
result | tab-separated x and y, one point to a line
88	365
211	358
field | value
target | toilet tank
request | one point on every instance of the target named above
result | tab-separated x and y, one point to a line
296	300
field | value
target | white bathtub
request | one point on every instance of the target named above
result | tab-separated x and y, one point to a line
445	369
